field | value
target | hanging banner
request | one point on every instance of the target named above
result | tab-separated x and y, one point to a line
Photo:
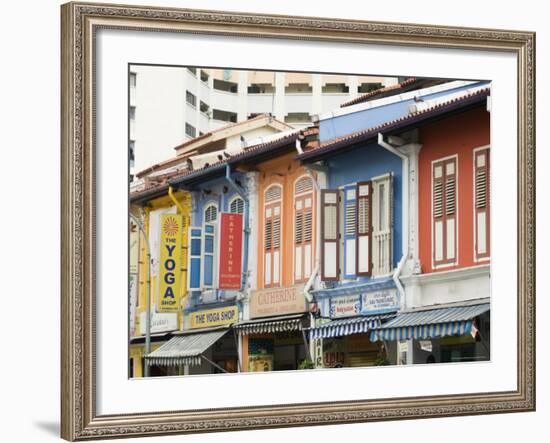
171	230
231	240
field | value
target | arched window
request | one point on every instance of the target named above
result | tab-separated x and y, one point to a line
272	235
236	206
303	228
210	213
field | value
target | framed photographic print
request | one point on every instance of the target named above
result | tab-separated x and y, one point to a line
277	221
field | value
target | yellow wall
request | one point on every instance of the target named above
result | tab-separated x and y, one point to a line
184	198
137	351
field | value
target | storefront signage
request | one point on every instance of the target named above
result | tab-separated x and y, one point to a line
346	306
379	301
171	227
213	317
277	301
160	322
231	237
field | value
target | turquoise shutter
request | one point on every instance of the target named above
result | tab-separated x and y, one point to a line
195	252
209	242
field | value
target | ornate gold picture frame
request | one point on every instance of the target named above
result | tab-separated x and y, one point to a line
80	22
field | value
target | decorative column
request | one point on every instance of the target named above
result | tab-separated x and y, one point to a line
251	188
412	265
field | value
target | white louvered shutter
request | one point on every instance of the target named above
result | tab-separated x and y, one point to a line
382	225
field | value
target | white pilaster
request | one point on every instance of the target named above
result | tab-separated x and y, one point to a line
279	108
242	111
317	94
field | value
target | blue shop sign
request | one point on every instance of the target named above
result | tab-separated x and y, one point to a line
380	301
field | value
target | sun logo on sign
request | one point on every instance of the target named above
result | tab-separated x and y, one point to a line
170	226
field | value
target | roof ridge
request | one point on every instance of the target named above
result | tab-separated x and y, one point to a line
379	91
387	123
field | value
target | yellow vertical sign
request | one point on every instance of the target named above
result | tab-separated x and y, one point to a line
171	229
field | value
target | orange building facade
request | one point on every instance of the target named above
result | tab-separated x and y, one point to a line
454	192
286	260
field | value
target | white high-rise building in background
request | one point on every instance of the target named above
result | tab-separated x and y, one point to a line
171	105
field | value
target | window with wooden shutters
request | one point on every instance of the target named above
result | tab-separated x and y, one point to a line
350	230
382	224
329	235
364	229
444	209
481	203
236	206
272	236
303	227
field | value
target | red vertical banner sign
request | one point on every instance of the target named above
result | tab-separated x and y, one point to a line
231	246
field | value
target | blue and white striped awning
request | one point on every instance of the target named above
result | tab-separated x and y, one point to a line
347	326
430	323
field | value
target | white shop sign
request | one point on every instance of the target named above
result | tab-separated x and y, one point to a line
381	301
345	306
160	322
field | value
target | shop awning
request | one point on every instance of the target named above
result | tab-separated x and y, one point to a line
185	349
430	323
270	324
348	326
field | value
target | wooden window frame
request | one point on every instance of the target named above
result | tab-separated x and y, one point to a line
272	205
375	227
302	197
359	234
487	209
336	240
445	261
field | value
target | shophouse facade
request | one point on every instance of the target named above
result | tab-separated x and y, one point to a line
412	131
154	214
208	304
363	240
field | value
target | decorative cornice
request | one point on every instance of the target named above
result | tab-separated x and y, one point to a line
460	274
